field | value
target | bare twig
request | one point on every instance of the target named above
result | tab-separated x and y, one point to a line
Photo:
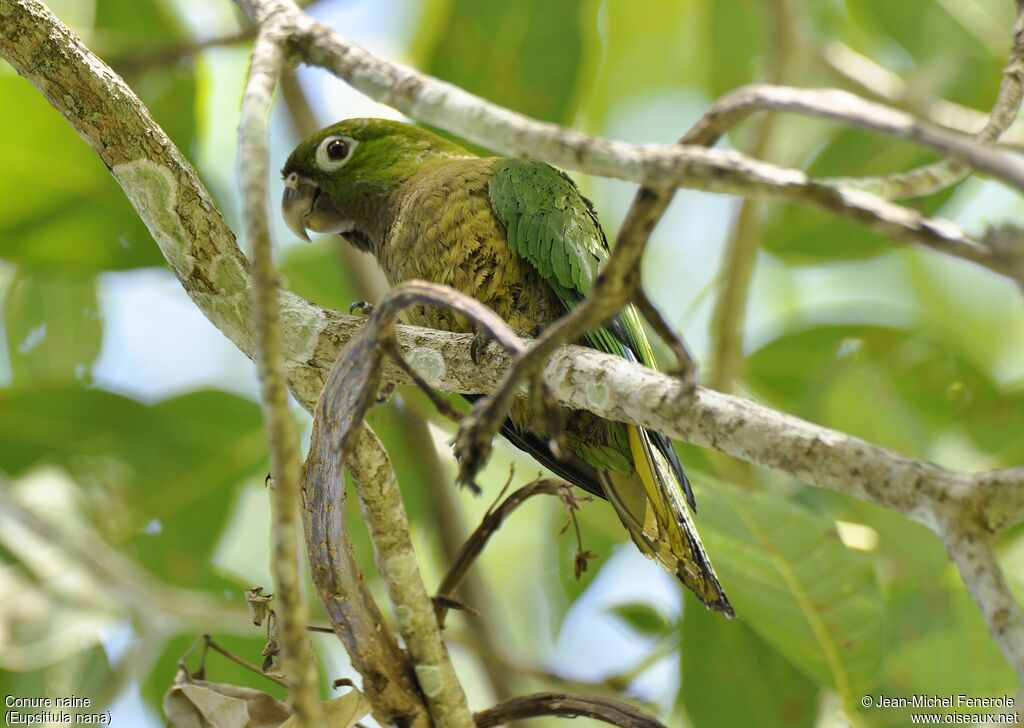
880	83
476	542
686	363
212	644
937	176
296	658
606	710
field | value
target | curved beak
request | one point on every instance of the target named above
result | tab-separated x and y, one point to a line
306	207
297	204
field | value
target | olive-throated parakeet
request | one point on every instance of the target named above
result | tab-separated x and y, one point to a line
518	236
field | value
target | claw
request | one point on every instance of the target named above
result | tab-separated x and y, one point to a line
364	308
479	345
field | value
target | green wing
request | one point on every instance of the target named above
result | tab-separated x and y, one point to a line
553	227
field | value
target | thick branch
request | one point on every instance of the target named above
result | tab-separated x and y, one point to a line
387	677
396	560
296	658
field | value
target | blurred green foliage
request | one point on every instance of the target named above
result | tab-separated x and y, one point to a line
824	617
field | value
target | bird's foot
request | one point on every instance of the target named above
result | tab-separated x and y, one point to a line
363	308
478	347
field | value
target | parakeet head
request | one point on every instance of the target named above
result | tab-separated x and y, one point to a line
342	179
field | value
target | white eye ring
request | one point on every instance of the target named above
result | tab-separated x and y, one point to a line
334	152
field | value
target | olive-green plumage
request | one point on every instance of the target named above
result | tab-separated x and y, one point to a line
518	236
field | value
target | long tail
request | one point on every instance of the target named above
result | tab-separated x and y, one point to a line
651	505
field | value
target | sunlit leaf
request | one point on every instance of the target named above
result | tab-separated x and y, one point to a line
816	602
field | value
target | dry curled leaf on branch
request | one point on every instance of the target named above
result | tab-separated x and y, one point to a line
191	703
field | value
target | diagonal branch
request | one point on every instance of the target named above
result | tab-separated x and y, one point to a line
481	535
932	178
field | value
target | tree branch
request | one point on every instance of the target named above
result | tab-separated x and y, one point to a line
606	710
396	561
932	178
881	83
201	251
296	655
477	120
474	545
387	677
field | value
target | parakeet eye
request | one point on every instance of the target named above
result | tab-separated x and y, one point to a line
333	152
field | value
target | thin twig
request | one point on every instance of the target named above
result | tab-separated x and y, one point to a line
212	644
476	542
606	710
296	658
396	561
686	363
150	57
932	178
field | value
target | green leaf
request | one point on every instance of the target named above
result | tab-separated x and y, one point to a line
801	235
173	468
949	58
735	38
315	273
60	208
797	586
524	55
53	326
642	618
922	387
730	676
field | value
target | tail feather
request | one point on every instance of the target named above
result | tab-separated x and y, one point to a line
651	503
